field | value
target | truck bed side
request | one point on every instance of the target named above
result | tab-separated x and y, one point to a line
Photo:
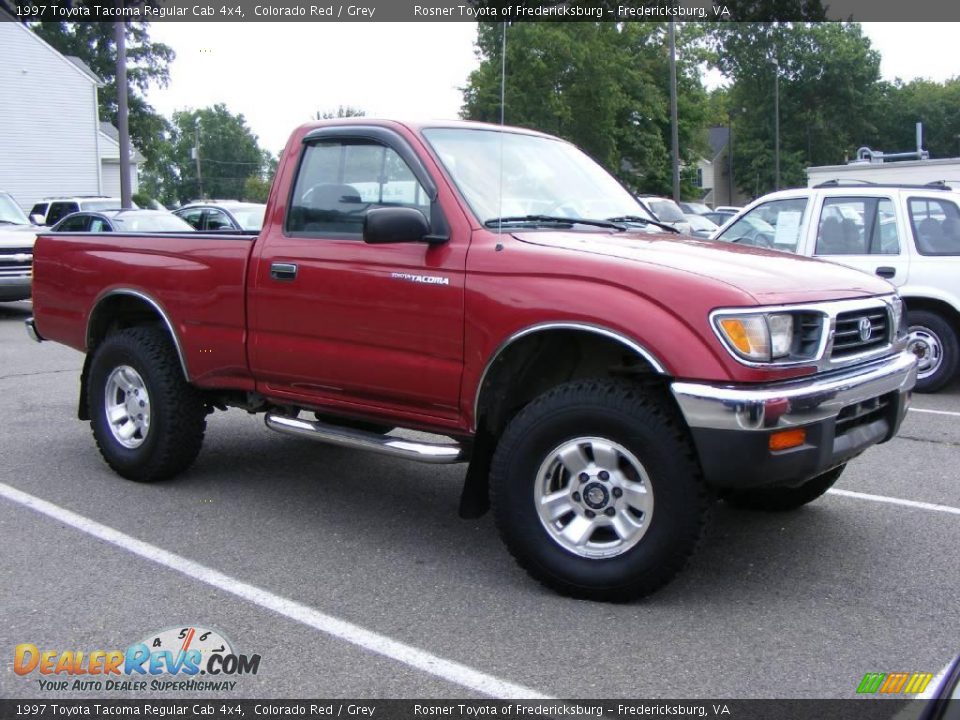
193	282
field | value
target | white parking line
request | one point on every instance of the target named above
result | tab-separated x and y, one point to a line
935	412
895	501
409	655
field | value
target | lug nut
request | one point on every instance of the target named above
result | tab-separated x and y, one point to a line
617	492
610	512
590	514
584	477
604	475
576	497
142	404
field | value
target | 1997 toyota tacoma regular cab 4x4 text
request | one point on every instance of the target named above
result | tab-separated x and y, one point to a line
604	378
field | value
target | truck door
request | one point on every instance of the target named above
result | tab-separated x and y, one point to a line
336	321
864	233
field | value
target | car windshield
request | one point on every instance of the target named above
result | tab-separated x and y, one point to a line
150	222
539	176
250	218
10	212
666	210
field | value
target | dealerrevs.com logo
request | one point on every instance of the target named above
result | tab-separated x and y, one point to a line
178	659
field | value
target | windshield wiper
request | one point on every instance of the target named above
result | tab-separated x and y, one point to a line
554	219
642	221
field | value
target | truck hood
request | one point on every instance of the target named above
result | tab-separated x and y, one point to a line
17	236
771	277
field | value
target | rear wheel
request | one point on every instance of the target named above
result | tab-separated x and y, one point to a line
148	422
596	492
782	499
932	339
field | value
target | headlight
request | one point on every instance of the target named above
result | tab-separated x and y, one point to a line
760	338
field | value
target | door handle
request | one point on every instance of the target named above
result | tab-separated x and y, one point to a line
886	271
283	271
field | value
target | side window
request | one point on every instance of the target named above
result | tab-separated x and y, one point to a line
100	225
775	224
75	224
39	209
858	226
340	181
217	220
936	226
194	218
60	210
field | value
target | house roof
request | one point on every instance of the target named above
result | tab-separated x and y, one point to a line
111	133
718	138
84	68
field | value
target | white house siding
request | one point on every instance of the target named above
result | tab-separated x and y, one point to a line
110	166
48	113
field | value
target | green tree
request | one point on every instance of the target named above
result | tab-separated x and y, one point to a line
603	86
229	154
828	87
342	111
147	62
902	105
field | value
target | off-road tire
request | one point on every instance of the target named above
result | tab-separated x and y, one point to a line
941	332
177	413
784	499
643	421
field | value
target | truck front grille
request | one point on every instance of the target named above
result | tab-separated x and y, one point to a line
860	331
16	262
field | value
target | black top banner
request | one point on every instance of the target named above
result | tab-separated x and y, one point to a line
479	10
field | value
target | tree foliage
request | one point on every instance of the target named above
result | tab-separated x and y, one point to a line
902	105
828	90
229	156
342	111
604	86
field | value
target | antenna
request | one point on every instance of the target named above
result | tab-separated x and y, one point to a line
503	94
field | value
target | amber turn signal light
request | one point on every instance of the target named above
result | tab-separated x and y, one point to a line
786	439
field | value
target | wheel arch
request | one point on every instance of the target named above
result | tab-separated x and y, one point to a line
527	350
935	305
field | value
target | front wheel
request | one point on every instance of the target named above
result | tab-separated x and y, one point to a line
596	491
148	422
932	339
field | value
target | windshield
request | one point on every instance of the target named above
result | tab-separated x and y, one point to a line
10	212
249	218
150	222
666	210
541	176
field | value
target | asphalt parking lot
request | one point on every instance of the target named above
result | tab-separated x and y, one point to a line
337	543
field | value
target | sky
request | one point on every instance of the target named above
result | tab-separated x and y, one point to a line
279	75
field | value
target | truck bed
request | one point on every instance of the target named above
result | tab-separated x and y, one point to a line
196	280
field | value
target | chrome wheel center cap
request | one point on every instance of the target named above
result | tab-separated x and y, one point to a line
596	496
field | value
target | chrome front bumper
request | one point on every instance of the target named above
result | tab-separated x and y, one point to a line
841	414
32	330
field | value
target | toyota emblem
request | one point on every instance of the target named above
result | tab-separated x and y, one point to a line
865	328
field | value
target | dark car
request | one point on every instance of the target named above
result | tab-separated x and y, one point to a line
122	221
719	217
233	216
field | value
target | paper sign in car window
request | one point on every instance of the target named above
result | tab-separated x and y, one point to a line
788	230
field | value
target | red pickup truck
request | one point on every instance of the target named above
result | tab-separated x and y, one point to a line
604	377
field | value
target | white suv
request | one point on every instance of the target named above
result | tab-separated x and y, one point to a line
908	234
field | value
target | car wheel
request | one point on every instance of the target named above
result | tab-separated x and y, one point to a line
148	422
783	499
934	342
596	491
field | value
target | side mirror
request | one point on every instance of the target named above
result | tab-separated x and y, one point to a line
37	219
395	225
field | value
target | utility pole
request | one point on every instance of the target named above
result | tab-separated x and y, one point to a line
120	34
674	130
196	156
776	123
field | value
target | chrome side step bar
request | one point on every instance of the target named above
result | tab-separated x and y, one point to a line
434	453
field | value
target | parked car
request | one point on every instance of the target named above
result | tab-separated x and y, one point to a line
700	225
666	211
907	234
719	217
486	284
122	221
225	215
50	211
694	208
17	235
